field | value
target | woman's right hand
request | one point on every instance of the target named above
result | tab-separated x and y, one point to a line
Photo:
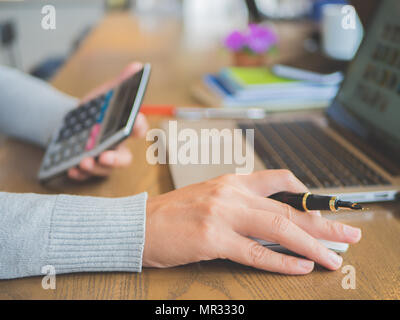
214	219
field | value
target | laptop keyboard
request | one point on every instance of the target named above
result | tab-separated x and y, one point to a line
311	154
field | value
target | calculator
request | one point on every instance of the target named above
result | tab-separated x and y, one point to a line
95	126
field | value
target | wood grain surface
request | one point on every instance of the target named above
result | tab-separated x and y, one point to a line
116	41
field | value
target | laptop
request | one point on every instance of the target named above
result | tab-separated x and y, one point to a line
352	150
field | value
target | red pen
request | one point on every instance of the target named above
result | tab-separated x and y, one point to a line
203	113
164	110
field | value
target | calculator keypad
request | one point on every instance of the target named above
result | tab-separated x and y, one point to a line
80	131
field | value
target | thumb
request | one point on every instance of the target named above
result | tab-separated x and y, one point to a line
141	126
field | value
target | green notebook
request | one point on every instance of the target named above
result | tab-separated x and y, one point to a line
256	76
239	78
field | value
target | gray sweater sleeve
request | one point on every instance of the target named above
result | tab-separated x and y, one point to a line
70	233
30	109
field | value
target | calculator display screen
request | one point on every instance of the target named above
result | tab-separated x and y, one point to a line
121	105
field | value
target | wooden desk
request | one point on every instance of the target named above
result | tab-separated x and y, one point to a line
115	42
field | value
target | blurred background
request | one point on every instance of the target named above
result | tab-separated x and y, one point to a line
24	44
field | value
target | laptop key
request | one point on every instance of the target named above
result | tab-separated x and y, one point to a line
348	160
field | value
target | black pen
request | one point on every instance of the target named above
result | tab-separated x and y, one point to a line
309	202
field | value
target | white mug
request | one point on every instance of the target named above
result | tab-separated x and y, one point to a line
342	31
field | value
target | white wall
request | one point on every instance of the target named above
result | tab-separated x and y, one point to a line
34	44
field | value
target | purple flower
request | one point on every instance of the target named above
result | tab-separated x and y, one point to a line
260	39
235	41
257	39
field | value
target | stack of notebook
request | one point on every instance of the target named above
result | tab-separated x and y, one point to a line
260	87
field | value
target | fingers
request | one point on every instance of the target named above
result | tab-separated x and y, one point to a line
91	167
266	182
251	253
141	126
316	226
120	157
78	175
88	167
274	227
321	228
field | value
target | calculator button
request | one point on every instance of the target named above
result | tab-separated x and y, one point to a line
104	106
90	144
46	162
71	120
72	140
65	133
88	122
101	114
94	109
55	147
57	157
78	128
83	135
93	137
78	148
95	130
67	153
82	116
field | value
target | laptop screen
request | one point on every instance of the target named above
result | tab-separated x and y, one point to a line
371	91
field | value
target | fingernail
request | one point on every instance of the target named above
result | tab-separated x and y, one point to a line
109	158
306	265
88	164
335	259
136	65
351	232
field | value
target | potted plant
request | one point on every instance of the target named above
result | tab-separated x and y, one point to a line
250	48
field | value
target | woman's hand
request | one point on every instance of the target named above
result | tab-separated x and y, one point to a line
214	219
121	155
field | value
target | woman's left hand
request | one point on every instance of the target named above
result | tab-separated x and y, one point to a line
121	156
